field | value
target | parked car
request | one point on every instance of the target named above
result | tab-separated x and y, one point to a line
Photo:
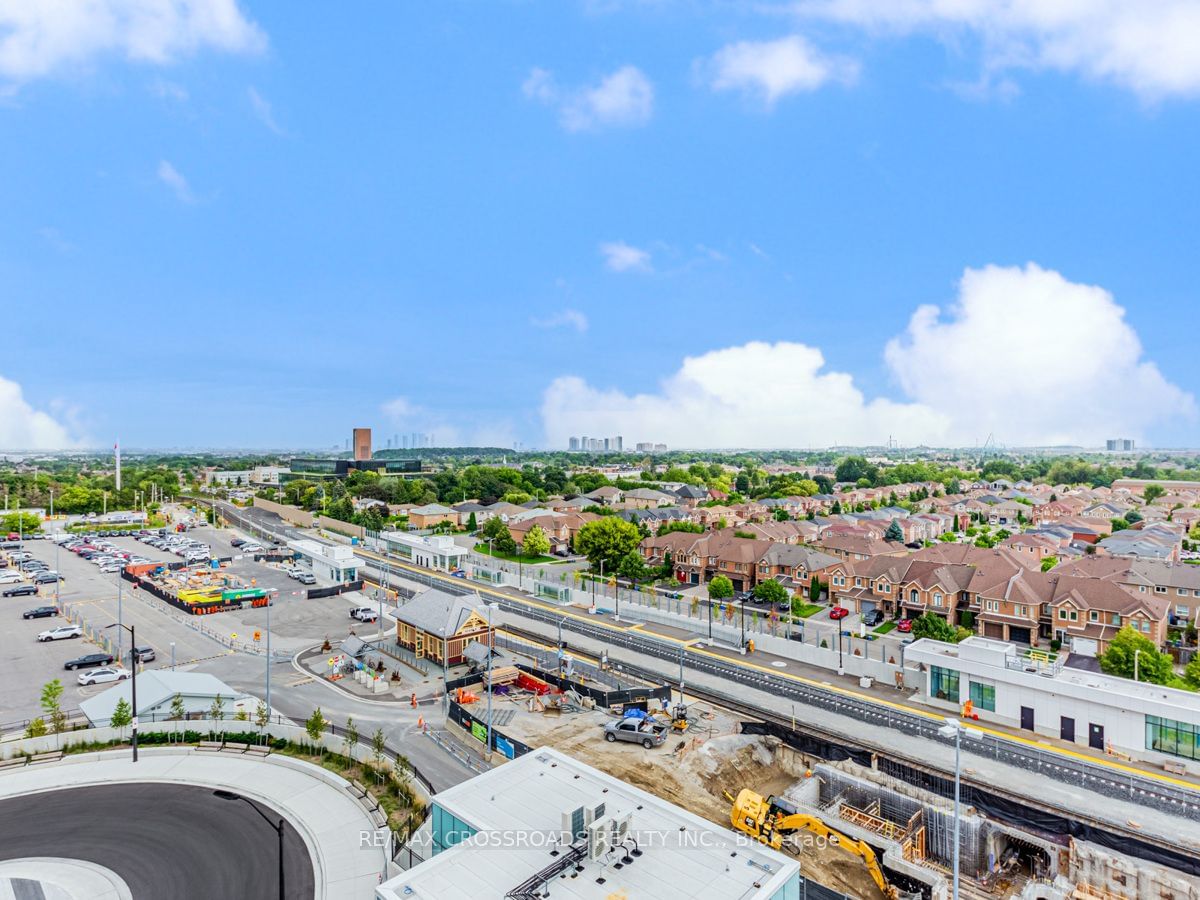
838	612
646	732
364	614
99	676
250	547
9	577
39	612
306	578
904	625
873	618
47	578
20	590
89	661
236	542
144	653
62	632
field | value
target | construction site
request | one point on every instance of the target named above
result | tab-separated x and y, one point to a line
860	830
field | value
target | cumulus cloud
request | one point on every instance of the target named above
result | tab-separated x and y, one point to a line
622	99
24	428
755	395
774	69
1148	46
42	38
172	178
563	318
1035	359
1023	354
622	257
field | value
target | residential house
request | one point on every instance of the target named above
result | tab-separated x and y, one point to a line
1161	540
1007	514
646	498
1037	546
1176	583
794	566
605	496
437	626
431	514
853	547
1087	613
559	527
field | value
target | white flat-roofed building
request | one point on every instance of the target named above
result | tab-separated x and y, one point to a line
503	831
1032	691
434	551
334	562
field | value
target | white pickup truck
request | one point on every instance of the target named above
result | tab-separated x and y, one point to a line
364	614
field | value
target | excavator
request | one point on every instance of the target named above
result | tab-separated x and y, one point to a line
769	820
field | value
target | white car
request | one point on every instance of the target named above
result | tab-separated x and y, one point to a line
101	675
7	577
60	633
251	548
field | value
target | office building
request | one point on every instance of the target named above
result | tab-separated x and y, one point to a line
546	824
1120	445
362	443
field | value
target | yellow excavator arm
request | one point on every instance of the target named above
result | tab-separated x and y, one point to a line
768	820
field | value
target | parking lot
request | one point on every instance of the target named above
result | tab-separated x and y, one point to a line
296	621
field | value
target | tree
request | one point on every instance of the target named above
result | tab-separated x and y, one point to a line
501	538
772	592
781	514
836	509
894	533
122	716
1192	673
947	537
472	524
178	710
536	543
607	542
378	749
51	702
216	712
314	727
1153	492
632	566
36	728
931	625
720	588
854	468
350	737
1049	563
814	590
1130	645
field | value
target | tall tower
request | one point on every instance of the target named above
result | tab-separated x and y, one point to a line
117	451
362	443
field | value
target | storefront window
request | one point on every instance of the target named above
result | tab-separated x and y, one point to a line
983	696
1175	738
943	683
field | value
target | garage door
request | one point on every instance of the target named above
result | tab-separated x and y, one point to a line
1083	646
866	606
1018	635
993	630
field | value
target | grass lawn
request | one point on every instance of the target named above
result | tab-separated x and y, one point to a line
482	548
804	610
885	628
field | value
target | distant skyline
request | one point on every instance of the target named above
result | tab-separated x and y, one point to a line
248	224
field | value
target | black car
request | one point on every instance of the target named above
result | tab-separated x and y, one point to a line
89	661
46	578
873	618
39	612
20	590
236	542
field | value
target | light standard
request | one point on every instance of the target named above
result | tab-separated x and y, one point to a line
172	656
229	795
491	607
57	573
1136	654
269	599
953	730
132	680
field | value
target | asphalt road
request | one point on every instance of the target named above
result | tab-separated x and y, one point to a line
164	840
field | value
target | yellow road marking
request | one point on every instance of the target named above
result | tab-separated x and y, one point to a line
824	685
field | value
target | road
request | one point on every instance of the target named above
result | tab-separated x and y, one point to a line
164	840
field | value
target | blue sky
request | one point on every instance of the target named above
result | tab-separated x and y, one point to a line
260	224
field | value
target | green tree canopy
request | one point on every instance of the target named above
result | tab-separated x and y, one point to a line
1127	645
122	715
1153	492
536	543
720	588
894	532
633	566
607	540
771	591
931	625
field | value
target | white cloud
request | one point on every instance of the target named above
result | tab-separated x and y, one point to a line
41	37
171	177
1034	359
1148	46
262	110
400	408
563	318
755	395
624	98
24	428
622	257
774	69
1024	354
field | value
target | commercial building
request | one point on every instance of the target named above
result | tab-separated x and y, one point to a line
1034	692
325	468
435	551
438	626
596	445
1122	445
156	693
361	441
548	823
333	562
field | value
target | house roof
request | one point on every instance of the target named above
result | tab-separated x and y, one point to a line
436	612
155	688
431	509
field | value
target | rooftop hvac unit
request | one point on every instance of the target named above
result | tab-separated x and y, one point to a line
592	813
573	825
620	828
598	838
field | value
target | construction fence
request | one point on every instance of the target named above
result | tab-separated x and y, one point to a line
477	727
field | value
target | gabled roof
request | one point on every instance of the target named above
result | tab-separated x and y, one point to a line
155	688
436	612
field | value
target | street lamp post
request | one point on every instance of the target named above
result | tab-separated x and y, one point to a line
269	604
172	656
1136	654
132	680
954	730
491	645
229	795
